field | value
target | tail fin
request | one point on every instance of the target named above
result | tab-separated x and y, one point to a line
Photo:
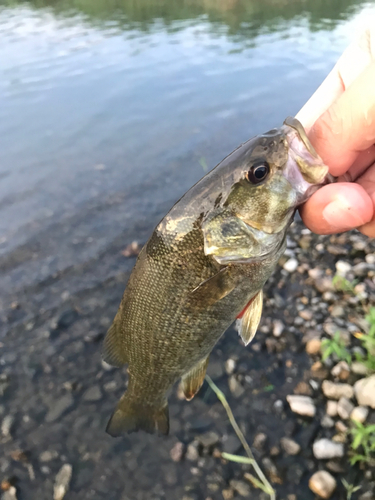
131	416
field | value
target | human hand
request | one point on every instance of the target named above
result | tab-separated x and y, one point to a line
340	122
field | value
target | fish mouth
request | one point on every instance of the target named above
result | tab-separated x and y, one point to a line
305	170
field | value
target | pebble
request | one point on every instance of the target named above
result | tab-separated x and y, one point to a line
332	408
289	446
106	366
344	408
242	488
370	258
325	449
192	453
62	482
302	388
343	268
359	368
260	440
92	394
337	312
327	422
324	284
235	387
313	346
302	405
6	425
278	328
232	444
227	494
359	414
291	265
208	439
10	494
47	456
341	370
230	366
177	451
322	483
59	408
365	391
306	314
340	426
337	391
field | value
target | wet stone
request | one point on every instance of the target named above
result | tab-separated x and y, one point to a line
60	407
177	451
242	488
208	439
232	445
290	446
62	482
92	394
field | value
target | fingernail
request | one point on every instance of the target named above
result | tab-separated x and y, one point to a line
340	214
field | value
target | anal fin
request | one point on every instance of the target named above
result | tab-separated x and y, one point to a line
113	349
250	318
193	380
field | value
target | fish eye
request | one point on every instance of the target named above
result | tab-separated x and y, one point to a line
258	172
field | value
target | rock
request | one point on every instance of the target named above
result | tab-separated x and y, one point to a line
289	446
303	405
325	449
313	346
324	284
230	366
10	494
260	440
344	408
359	414
335	467
106	366
192	453
59	407
208	439
271	471
322	484
232	444
278	328
131	250
62	482
341	370
6	425
365	391
370	258
242	488
343	268
227	494
235	387
337	391
92	394
327	422
291	265
337	312
177	451
361	269
332	408
303	388
47	456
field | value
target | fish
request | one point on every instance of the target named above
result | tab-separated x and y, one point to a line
204	267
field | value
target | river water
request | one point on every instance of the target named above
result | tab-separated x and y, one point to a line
109	112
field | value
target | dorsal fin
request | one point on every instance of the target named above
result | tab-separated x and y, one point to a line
113	348
250	318
193	380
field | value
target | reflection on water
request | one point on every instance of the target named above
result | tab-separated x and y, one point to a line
99	98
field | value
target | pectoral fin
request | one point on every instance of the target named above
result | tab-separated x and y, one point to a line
193	380
213	289
113	348
250	318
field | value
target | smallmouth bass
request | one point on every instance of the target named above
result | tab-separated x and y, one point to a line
204	266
